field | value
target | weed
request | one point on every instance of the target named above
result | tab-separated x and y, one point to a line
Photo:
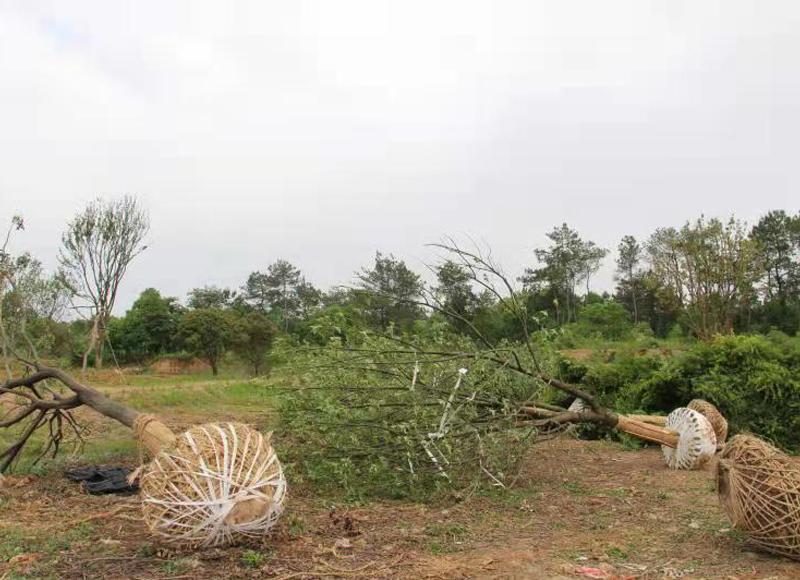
252	558
452	531
619	492
616	553
13	543
295	525
172	567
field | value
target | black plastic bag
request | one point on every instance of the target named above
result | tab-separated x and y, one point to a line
98	479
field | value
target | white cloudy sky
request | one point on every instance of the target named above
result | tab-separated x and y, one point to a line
322	131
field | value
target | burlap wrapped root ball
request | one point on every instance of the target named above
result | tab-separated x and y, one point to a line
717	420
217	483
759	490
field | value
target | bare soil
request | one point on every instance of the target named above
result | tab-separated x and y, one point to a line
581	509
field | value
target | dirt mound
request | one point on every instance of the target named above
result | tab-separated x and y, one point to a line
178	366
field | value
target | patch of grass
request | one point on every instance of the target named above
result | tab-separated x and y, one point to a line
252	558
575	488
246	396
13	542
448	535
619	492
173	567
449	530
513	497
16	540
295	525
617	553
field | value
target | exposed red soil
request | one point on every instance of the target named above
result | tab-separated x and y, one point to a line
580	508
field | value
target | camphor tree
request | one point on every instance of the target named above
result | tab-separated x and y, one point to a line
148	328
96	250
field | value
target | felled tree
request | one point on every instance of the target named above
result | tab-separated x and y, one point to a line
208	486
412	412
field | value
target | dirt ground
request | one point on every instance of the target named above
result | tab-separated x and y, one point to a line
582	509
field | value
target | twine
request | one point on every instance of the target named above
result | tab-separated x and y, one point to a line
140	423
759	490
710	412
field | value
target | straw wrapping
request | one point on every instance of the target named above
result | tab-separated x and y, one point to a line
759	490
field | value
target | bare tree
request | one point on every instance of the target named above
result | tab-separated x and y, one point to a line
97	247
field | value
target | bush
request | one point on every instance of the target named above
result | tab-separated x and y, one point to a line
753	380
607	320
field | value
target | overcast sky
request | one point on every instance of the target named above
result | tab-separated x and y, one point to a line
320	132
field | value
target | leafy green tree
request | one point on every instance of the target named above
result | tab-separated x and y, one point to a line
592	258
565	263
252	339
207	333
778	238
31	304
340	323
148	329
283	291
454	294
389	292
211	297
607	320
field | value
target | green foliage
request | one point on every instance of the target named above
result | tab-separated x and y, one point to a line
252	558
709	268
148	329
211	297
283	292
339	324
753	380
387	294
208	333
366	424
252	338
565	263
607	320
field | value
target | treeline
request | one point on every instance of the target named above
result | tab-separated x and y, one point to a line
706	278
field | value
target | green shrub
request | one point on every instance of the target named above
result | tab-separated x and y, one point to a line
753	380
606	320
